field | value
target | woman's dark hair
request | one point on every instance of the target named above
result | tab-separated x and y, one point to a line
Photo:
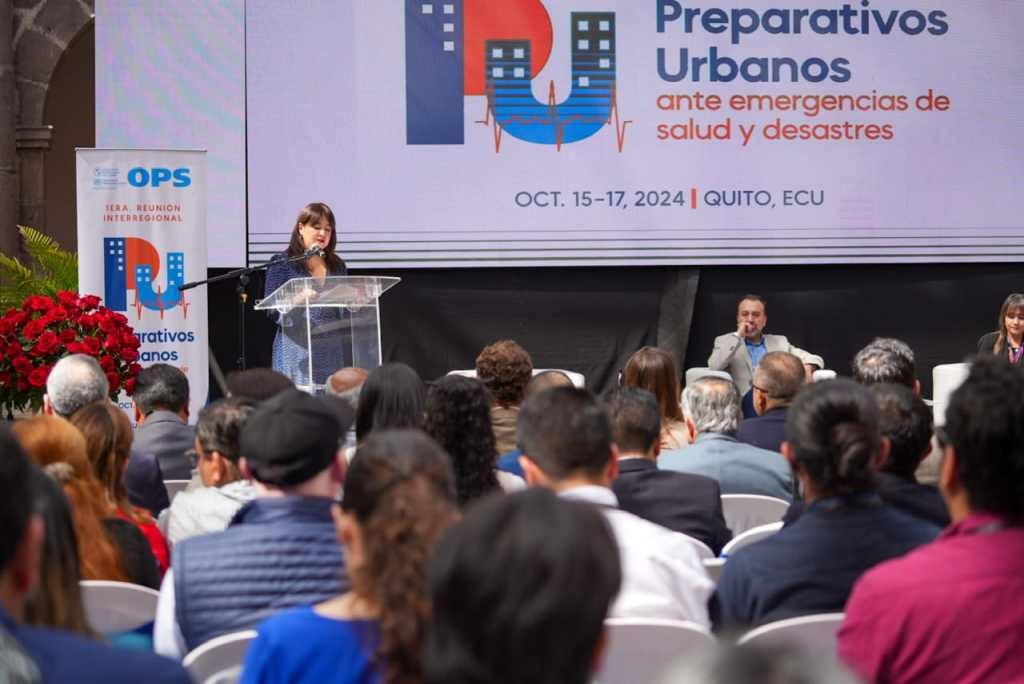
312	214
399	488
655	370
832	427
458	417
392	397
521	588
57	602
1013	304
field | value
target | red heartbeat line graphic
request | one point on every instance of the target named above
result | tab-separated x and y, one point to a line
160	298
551	119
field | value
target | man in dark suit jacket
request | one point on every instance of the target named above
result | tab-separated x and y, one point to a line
161	411
778	378
691	504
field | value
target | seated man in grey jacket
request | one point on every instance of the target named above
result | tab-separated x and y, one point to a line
210	508
711	409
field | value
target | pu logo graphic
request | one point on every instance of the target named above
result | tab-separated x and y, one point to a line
455	48
134	264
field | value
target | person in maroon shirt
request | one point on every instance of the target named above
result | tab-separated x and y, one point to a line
951	611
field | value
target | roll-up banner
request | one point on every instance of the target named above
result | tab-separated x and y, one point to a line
141	235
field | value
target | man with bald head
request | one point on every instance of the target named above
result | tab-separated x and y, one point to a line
778	378
346	384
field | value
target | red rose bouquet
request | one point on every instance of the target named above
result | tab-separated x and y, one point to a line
34	337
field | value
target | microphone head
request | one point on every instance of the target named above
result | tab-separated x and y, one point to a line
315	250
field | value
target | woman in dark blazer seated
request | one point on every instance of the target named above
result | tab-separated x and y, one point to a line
1008	340
315	226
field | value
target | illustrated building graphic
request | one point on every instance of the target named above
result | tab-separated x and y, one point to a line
589	105
434	77
124	255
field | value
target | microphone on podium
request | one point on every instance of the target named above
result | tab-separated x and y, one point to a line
315	250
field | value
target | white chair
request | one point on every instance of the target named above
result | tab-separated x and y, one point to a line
823	374
813	635
946	378
175	487
112	607
703	550
578	379
220	660
747	511
714	566
641	650
694	374
752	535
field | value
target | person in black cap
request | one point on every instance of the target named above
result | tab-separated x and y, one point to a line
280	550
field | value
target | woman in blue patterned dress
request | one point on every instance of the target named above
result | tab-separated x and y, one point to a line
315	226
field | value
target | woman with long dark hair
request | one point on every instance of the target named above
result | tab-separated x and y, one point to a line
655	370
810	566
458	417
391	397
1008	339
108	440
315	227
398	500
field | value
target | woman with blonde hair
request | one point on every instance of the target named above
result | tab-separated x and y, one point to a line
108	440
105	543
655	370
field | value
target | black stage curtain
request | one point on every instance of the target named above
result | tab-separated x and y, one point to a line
591	319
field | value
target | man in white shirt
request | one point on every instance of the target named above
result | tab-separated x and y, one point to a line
566	443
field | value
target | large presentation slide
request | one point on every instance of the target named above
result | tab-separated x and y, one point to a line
618	132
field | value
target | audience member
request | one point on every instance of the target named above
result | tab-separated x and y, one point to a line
111	548
711	407
566	441
505	368
257	384
347	384
509	462
1008	338
811	566
57	656
280	549
57	602
211	507
691	504
108	443
398	500
740	352
520	590
886	360
161	414
458	417
391	397
74	381
951	611
655	370
778	378
144	482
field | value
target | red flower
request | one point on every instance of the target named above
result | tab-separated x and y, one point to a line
38	303
115	382
21	365
58	313
92	345
37	378
68	335
107	324
23	385
112	343
74	313
6	327
17	318
14	349
76	348
107	363
129	385
67	298
130	355
134	369
34	329
5	379
130	340
90	301
47	343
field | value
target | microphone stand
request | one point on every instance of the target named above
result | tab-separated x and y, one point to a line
242	275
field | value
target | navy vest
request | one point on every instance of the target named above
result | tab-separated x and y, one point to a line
276	554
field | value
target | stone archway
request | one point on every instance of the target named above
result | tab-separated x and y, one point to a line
41	32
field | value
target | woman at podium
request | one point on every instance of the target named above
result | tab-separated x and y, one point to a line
314	227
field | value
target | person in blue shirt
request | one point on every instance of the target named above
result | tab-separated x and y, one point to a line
49	655
399	498
811	566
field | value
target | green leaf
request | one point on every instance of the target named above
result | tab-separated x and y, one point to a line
50	269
